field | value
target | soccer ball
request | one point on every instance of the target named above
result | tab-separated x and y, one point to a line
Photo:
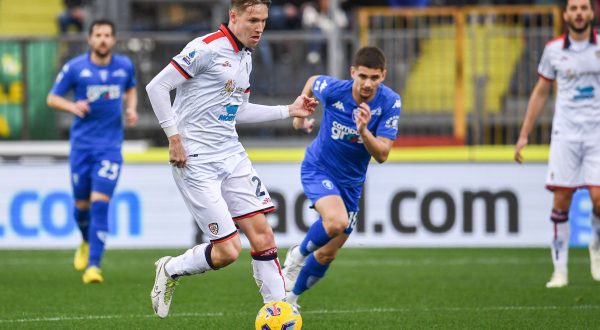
278	315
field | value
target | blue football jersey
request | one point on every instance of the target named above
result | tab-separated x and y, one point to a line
338	148
103	87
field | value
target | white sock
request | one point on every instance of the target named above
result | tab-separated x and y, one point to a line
296	255
267	274
595	221
193	261
560	246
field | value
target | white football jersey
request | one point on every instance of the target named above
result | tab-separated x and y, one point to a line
576	68
217	68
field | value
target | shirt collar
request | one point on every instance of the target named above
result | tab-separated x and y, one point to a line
235	42
593	39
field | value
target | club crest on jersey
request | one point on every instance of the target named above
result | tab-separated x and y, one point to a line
214	228
103	74
327	184
227	64
229	87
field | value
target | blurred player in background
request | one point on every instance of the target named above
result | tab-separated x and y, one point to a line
360	121
210	166
99	80
573	60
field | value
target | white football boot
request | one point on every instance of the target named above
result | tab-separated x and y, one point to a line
163	289
291	268
559	279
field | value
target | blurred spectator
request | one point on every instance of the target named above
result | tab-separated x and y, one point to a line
408	3
73	16
285	14
316	17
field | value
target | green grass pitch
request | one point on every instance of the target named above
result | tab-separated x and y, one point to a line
365	289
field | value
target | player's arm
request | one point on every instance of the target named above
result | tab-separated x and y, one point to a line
537	103
131	101
79	108
379	147
305	123
158	92
303	106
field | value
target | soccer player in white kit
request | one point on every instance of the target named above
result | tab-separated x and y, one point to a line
573	60
210	166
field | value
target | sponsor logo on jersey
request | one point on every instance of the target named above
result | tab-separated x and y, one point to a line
392	122
586	92
227	64
231	112
345	133
339	105
103	74
327	184
266	200
103	92
119	73
214	228
397	104
85	73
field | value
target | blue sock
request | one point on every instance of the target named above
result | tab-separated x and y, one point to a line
82	217
315	238
98	231
311	273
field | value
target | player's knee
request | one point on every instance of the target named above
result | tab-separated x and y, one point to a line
336	225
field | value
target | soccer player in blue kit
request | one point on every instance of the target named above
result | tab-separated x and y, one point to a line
100	80
360	121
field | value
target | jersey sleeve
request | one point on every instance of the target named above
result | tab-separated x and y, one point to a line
64	81
322	86
388	125
131	81
545	69
192	60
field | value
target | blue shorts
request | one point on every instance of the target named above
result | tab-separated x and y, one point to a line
318	184
94	171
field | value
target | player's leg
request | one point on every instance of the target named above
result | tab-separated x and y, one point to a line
564	174
248	200
265	263
591	166
560	237
594	246
200	188
80	165
105	175
315	267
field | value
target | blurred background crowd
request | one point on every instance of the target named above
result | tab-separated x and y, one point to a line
463	68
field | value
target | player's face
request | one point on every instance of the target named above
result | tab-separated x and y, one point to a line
578	15
366	82
101	40
249	24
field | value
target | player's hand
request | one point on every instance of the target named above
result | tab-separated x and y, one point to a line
303	106
521	143
177	154
81	108
304	124
363	117
131	117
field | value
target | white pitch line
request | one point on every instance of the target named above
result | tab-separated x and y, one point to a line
325	311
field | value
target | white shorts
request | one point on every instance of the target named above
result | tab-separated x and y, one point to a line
221	192
573	164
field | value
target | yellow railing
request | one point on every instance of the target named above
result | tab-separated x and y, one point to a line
464	63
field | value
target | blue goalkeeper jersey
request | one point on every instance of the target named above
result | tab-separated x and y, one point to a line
338	148
103	87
